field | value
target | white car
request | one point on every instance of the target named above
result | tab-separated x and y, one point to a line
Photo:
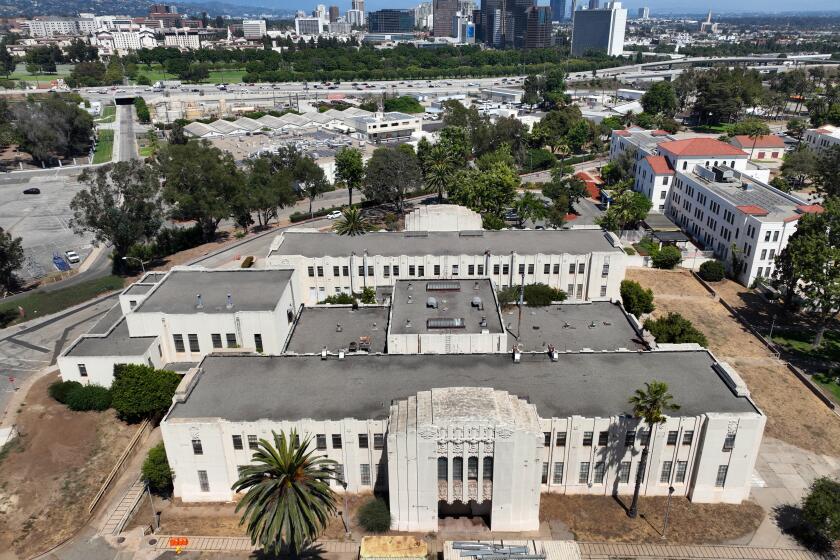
72	256
334	215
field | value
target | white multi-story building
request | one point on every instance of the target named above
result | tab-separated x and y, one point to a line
822	138
309	25
423	15
355	17
340	28
183	316
599	30
744	221
124	42
471	434
253	29
388	126
587	264
184	39
50	27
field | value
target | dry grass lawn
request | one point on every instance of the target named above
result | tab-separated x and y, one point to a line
794	414
50	474
602	518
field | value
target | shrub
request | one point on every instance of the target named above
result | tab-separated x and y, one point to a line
247	262
667	257
492	222
339	299
374	516
60	389
676	329
712	271
368	296
536	295
636	299
821	512
630	250
156	471
141	391
89	397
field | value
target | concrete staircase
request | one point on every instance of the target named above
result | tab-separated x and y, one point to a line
119	516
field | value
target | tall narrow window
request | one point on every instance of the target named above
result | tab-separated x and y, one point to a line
216	338
443	468
600	469
729	442
624	472
83	370
197	448
364	474
363	441
253	443
472	468
682	466
336	441
339	474
231	340
560	439
457	468
203	482
587	439
237	441
603	438
487	471
544	472
558	473
666	471
320	441
193	339
583	476
688	435
672	437
547	439
258	345
629	438
178	340
720	481
378	441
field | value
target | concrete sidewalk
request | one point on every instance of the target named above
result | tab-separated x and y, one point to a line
243	544
603	551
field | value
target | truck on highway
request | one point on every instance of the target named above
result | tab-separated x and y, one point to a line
160	85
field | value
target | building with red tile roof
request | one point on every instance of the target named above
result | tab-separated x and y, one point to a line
763	148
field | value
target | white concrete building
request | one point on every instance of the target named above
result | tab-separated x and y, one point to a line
722	208
355	17
479	434
124	42
181	317
184	39
769	148
253	29
386	126
309	25
588	264
822	138
442	217
599	30
51	27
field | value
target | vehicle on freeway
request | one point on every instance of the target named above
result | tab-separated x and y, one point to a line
32	190
72	256
334	215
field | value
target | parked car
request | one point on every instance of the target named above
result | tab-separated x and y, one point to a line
32	190
334	215
72	256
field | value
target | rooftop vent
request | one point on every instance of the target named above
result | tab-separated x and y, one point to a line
475	286
338	327
198	303
431	303
476	302
443	286
229	304
445	323
483	322
410	299
408	323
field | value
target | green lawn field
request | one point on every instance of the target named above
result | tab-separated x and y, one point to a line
105	147
40	303
20	73
156	72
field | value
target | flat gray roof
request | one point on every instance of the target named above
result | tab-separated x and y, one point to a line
318	327
362	387
528	242
179	367
454	302
251	290
115	343
569	327
107	320
138	289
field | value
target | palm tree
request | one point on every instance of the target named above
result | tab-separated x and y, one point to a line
288	499
648	404
439	170
352	223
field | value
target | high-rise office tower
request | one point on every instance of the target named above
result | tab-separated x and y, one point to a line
538	32
599	30
333	14
558	10
443	15
593	4
643	13
357	5
391	21
572	11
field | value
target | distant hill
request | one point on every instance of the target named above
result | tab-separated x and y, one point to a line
29	8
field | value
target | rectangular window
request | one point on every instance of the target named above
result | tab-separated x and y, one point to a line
335	270
411	270
237	441
231	340
471	269
644	437
364	474
216	338
258	343
775	236
587	439
386	271
583	475
336	441
570	290
458	468
378	441
767	236
672	437
83	370
521	269
345	271
729	442
580	291
547	439
193	340
688	436
310	270
396	271
370	270
546	268
436	270
505	269
530	269
320	441
763	254
203	482
630	438
197	448
421	270
361	270
720	481
545	473
581	268
603	291
603	439
481	270
665	476
600	468
495	269
487	470
363	441
556	269
252	442
454	270
178	339
682	466
571	268
560	439
558	473
624	472
339	474
320	270
472	468
443	468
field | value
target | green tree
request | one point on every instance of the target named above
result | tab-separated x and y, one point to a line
140	391
288	500
567	187
799	166
439	170
827	177
52	128
628	207
390	174
712	271
675	329
636	300
456	141
120	205
529	207
667	257
352	223
649	406
311	180
11	259
722	94
404	104
620	168
268	188
349	170
752	128
821	508
660	99
156	471
200	182
796	128
555	86
8	63
487	191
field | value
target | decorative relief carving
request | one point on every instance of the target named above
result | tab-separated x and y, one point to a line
472	490
488	447
504	433
428	432
441	447
457	447
194	432
472	447
488	490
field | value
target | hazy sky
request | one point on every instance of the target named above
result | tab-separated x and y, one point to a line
681	6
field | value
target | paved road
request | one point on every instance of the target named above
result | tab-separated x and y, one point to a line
127	143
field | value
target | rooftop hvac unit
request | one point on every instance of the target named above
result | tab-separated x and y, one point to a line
476	302
443	286
431	303
445	323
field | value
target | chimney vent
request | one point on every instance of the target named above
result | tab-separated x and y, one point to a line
338	327
324	353
198	303
229	304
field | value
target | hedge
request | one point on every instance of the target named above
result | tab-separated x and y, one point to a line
60	389
89	397
712	271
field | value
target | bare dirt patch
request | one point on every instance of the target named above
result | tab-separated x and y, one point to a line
603	518
50	476
794	414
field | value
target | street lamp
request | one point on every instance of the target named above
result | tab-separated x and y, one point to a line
142	263
667	511
344	510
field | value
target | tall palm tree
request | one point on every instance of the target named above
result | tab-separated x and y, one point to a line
439	170
352	223
648	405
288	499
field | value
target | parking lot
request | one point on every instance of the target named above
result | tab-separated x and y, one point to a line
41	220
